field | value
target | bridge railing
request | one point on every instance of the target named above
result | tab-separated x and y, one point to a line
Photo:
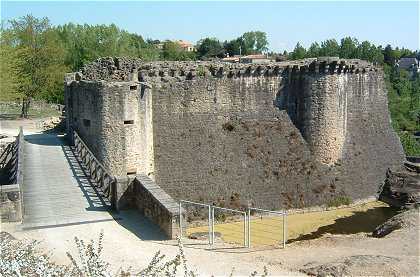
11	164
97	171
11	160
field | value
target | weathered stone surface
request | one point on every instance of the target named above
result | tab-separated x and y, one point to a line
405	219
360	265
401	189
289	134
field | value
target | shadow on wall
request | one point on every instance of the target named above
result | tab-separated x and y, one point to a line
359	222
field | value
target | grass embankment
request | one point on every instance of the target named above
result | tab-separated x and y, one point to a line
303	226
11	111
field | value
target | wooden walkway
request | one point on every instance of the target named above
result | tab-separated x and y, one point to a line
56	190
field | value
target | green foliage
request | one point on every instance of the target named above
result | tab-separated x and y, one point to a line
411	146
233	47
210	47
23	258
349	48
37	58
85	43
330	48
404	106
313	51
201	71
254	42
172	51
339	201
8	67
298	53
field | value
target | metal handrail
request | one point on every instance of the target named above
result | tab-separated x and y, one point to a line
19	157
13	164
3	157
97	170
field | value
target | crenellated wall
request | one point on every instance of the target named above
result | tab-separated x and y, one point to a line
276	135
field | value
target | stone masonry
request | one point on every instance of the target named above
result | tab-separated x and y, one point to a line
275	135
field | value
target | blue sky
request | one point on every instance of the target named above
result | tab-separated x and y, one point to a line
285	23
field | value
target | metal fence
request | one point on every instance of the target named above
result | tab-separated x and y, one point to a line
230	226
208	224
267	228
195	222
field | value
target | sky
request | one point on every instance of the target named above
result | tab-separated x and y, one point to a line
286	23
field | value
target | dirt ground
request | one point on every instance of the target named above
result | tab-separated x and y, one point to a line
324	250
394	255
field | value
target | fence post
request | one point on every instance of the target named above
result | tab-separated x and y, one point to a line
249	227
212	223
245	231
210	227
284	229
180	220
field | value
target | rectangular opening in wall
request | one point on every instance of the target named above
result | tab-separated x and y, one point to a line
133	87
132	172
128	122
86	122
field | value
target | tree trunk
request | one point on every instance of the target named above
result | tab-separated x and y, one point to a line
26	101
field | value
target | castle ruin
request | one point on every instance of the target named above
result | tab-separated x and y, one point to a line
276	135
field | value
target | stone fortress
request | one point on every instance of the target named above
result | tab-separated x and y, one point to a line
276	135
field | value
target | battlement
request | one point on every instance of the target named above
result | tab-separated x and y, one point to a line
282	134
130	69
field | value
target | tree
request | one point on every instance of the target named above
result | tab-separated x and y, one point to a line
314	50
39	59
210	47
389	55
349	48
298	53
172	51
254	42
233	47
330	48
8	66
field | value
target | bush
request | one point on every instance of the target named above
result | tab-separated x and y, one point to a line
411	146
22	258
339	201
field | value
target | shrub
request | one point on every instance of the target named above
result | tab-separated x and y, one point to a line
339	201
22	258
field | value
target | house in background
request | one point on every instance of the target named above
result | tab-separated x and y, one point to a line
187	46
258	58
233	59
410	64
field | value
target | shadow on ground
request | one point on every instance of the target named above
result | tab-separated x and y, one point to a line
131	220
9	116
139	225
49	139
359	222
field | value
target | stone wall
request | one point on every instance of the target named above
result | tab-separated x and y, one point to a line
275	135
11	203
153	202
344	118
111	118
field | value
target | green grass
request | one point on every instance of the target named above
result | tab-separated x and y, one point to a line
339	201
11	111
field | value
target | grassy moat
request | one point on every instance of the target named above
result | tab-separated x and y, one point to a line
362	218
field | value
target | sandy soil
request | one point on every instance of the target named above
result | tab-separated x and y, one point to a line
123	249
